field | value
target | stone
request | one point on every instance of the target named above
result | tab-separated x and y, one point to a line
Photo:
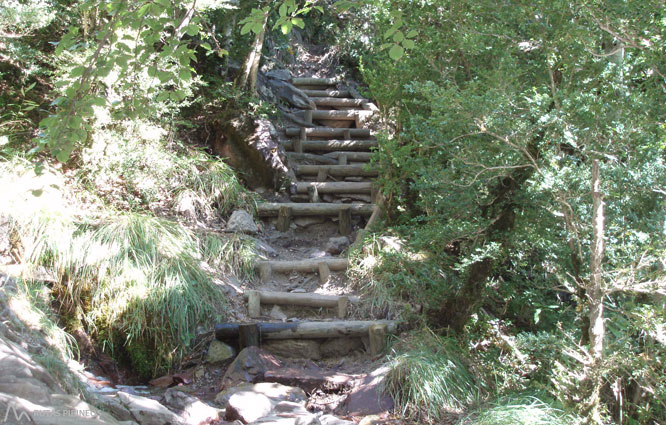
218	352
265	248
248	406
372	420
147	411
338	347
366	397
300	348
277	313
309	380
191	409
249	366
337	244
241	222
281	420
279	74
112	405
291	94
274	391
333	420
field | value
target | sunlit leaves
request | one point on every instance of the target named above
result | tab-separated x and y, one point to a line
399	41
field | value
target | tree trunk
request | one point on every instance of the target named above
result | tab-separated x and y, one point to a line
595	294
251	65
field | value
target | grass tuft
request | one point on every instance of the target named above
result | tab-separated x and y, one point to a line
518	409
429	378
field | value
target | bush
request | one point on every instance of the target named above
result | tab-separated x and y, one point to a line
518	410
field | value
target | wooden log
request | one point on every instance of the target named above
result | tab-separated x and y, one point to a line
335	170
309	116
337	101
342	160
343	303
348	115
248	335
377	336
330	145
346	135
313	194
344	217
295	330
351	156
284	218
294	156
324	272
322	175
307	299
268	209
326	93
277	266
254	304
335	187
327	132
303	81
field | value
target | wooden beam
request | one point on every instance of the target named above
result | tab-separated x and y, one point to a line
331	145
254	304
294	156
278	266
335	187
307	299
344	217
302	81
337	101
348	115
284	218
377	336
327	93
354	170
351	156
324	273
297	330
248	335
343	304
268	209
327	132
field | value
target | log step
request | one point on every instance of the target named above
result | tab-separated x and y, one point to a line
334	170
296	156
323	266
303	81
335	187
270	209
350	115
256	298
351	156
337	101
328	132
331	145
294	330
327	93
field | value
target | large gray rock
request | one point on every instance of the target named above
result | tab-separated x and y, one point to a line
289	413
191	409
274	391
333	420
147	411
241	222
300	348
218	352
249	366
336	245
290	94
248	406
367	396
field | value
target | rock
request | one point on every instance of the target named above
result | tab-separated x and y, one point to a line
338	347
218	352
332	420
279	74
248	406
366	397
114	406
265	248
289	93
390	243
337	244
372	420
288	413
241	222
277	314
249	366
191	409
274	391
308	380
147	411
301	348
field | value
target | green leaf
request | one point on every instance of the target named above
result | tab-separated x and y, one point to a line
185	75
77	71
390	32
283	10
164	76
192	30
398	37
206	46
246	28
408	44
164	3
298	22
396	52
412	34
63	155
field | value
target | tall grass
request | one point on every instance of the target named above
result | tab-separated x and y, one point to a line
518	410
428	378
140	283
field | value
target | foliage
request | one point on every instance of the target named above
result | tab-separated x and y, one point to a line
429	377
518	409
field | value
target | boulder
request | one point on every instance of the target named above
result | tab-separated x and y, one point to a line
248	406
333	420
218	352
249	366
308	380
241	222
290	94
274	391
336	245
191	409
147	411
300	348
367	396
